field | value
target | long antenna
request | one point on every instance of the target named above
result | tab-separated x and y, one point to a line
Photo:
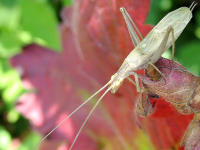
80	106
192	6
86	119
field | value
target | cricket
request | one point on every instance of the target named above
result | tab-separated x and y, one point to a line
146	52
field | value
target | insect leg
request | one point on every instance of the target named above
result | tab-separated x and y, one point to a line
143	105
131	81
134	83
132	28
86	119
163	46
170	29
157	70
136	80
194	102
191	136
173	44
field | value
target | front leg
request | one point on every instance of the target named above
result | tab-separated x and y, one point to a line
194	102
137	83
144	106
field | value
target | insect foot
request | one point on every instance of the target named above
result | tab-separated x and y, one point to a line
144	106
191	139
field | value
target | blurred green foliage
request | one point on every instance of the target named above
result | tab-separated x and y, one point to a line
30	141
23	22
5	138
143	142
37	21
67	2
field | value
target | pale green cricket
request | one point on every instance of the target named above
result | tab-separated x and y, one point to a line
146	52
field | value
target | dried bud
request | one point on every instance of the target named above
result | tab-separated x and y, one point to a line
178	86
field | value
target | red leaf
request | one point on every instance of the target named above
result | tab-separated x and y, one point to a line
95	42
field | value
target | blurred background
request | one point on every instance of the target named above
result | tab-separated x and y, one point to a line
21	22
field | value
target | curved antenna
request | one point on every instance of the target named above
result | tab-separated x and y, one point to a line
192	6
88	116
80	106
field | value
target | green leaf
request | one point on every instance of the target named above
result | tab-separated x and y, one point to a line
165	5
10	43
9	14
13	116
39	19
12	92
5	138
67	2
10	83
198	18
154	14
158	10
188	56
30	141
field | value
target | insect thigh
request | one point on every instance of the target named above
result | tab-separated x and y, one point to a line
131	26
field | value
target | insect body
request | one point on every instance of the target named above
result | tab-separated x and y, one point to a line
146	52
149	50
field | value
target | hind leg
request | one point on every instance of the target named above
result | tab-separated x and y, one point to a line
137	83
133	30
